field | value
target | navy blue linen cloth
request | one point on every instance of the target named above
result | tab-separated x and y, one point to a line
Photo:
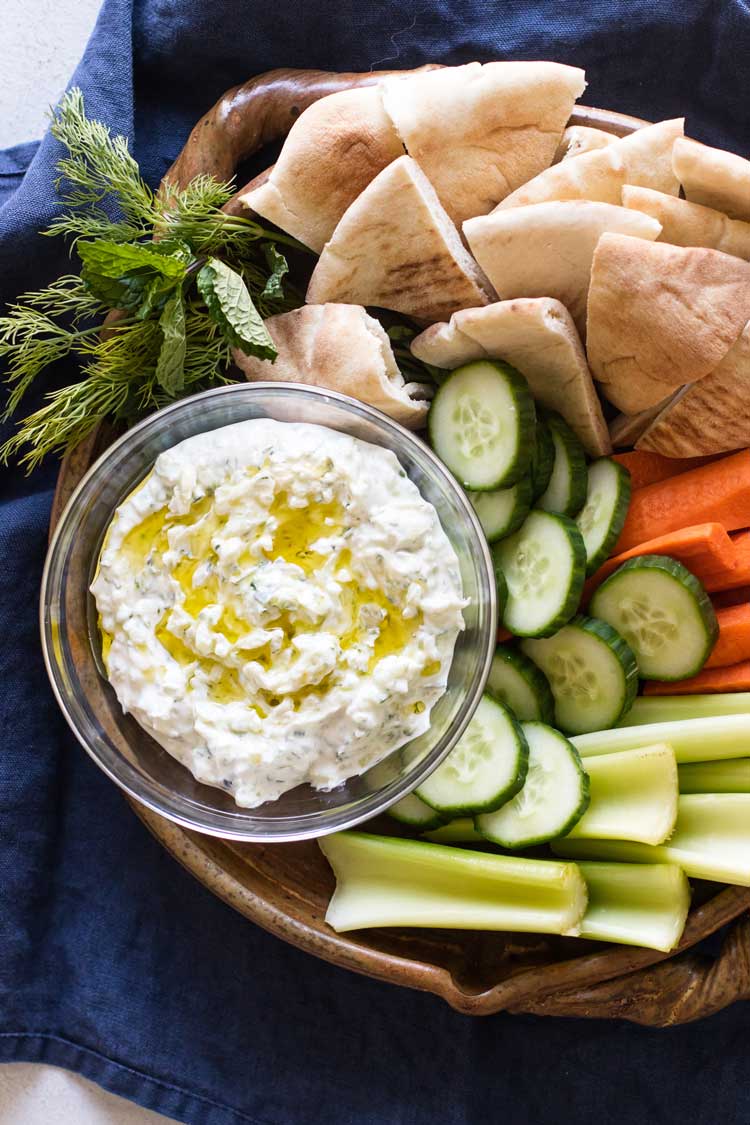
113	961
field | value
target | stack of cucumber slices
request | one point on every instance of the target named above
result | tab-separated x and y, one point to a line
551	520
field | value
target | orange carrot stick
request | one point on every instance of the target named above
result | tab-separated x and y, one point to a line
705	550
733	645
718	492
718	579
736	677
650	468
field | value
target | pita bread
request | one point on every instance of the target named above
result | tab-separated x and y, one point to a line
478	132
538	337
690	224
545	250
332	152
643	157
341	348
660	316
396	248
578	139
713	177
625	429
711	416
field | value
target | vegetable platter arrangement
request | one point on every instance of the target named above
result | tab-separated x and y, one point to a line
535	295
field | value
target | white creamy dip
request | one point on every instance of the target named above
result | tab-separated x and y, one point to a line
278	605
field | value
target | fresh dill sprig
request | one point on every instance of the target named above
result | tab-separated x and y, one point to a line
186	281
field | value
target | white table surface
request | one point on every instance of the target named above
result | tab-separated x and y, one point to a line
42	42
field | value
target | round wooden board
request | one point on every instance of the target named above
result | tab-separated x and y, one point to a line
285	888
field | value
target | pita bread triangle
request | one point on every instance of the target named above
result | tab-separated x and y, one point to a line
341	348
539	338
710	416
713	177
578	139
333	150
478	132
396	248
545	249
660	316
643	157
690	224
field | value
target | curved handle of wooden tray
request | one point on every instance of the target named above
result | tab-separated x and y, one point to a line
250	116
678	990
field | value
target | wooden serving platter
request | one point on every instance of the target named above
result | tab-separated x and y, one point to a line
285	887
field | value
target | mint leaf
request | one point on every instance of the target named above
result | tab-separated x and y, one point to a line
401	333
117	259
170	367
279	267
231	307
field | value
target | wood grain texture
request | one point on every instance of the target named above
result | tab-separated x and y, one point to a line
285	888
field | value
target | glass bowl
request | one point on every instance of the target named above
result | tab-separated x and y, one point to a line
123	749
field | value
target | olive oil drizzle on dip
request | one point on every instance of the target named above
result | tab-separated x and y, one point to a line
278	604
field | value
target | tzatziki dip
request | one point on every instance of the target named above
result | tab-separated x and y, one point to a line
278	604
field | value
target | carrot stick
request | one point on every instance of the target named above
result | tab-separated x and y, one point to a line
705	550
733	645
650	468
736	677
503	635
718	492
717	579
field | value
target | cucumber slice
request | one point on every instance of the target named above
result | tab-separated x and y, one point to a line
410	810
517	682
592	673
481	424
602	517
664	614
485	769
503	510
554	797
566	491
543	460
544	564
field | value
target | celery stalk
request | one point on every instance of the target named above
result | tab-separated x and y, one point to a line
668	708
633	796
715	777
458	831
382	881
693	740
636	903
711	840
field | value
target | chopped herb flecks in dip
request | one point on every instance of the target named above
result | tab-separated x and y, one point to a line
278	605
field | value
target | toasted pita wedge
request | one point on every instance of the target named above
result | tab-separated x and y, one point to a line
478	132
396	248
713	177
578	139
538	337
711	416
690	224
625	429
332	152
643	157
545	250
341	348
660	316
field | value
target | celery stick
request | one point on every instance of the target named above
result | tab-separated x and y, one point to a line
458	831
633	796
667	708
636	903
693	740
711	840
715	777
381	881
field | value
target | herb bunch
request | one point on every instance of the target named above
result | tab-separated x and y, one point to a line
189	283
